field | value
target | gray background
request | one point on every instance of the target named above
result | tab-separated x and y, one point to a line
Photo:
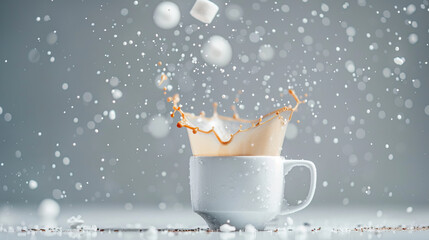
141	169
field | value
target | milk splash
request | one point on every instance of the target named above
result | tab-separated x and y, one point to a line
233	136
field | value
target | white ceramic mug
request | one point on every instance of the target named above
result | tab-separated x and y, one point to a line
241	190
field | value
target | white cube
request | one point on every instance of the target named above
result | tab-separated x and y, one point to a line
204	11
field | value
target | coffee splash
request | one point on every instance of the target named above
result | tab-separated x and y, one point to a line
233	136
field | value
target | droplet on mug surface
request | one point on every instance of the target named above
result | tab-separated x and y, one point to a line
325	184
166	15
33	55
409	209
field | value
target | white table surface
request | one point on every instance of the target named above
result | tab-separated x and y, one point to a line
334	223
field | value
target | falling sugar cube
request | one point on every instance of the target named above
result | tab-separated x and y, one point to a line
204	11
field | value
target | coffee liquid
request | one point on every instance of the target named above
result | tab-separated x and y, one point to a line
233	136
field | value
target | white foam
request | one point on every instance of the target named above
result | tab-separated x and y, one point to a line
204	11
75	222
249	228
227	228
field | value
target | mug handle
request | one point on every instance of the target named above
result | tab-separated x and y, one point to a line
288	165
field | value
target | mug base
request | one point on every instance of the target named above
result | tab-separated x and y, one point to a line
237	219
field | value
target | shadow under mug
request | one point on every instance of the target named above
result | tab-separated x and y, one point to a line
241	190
